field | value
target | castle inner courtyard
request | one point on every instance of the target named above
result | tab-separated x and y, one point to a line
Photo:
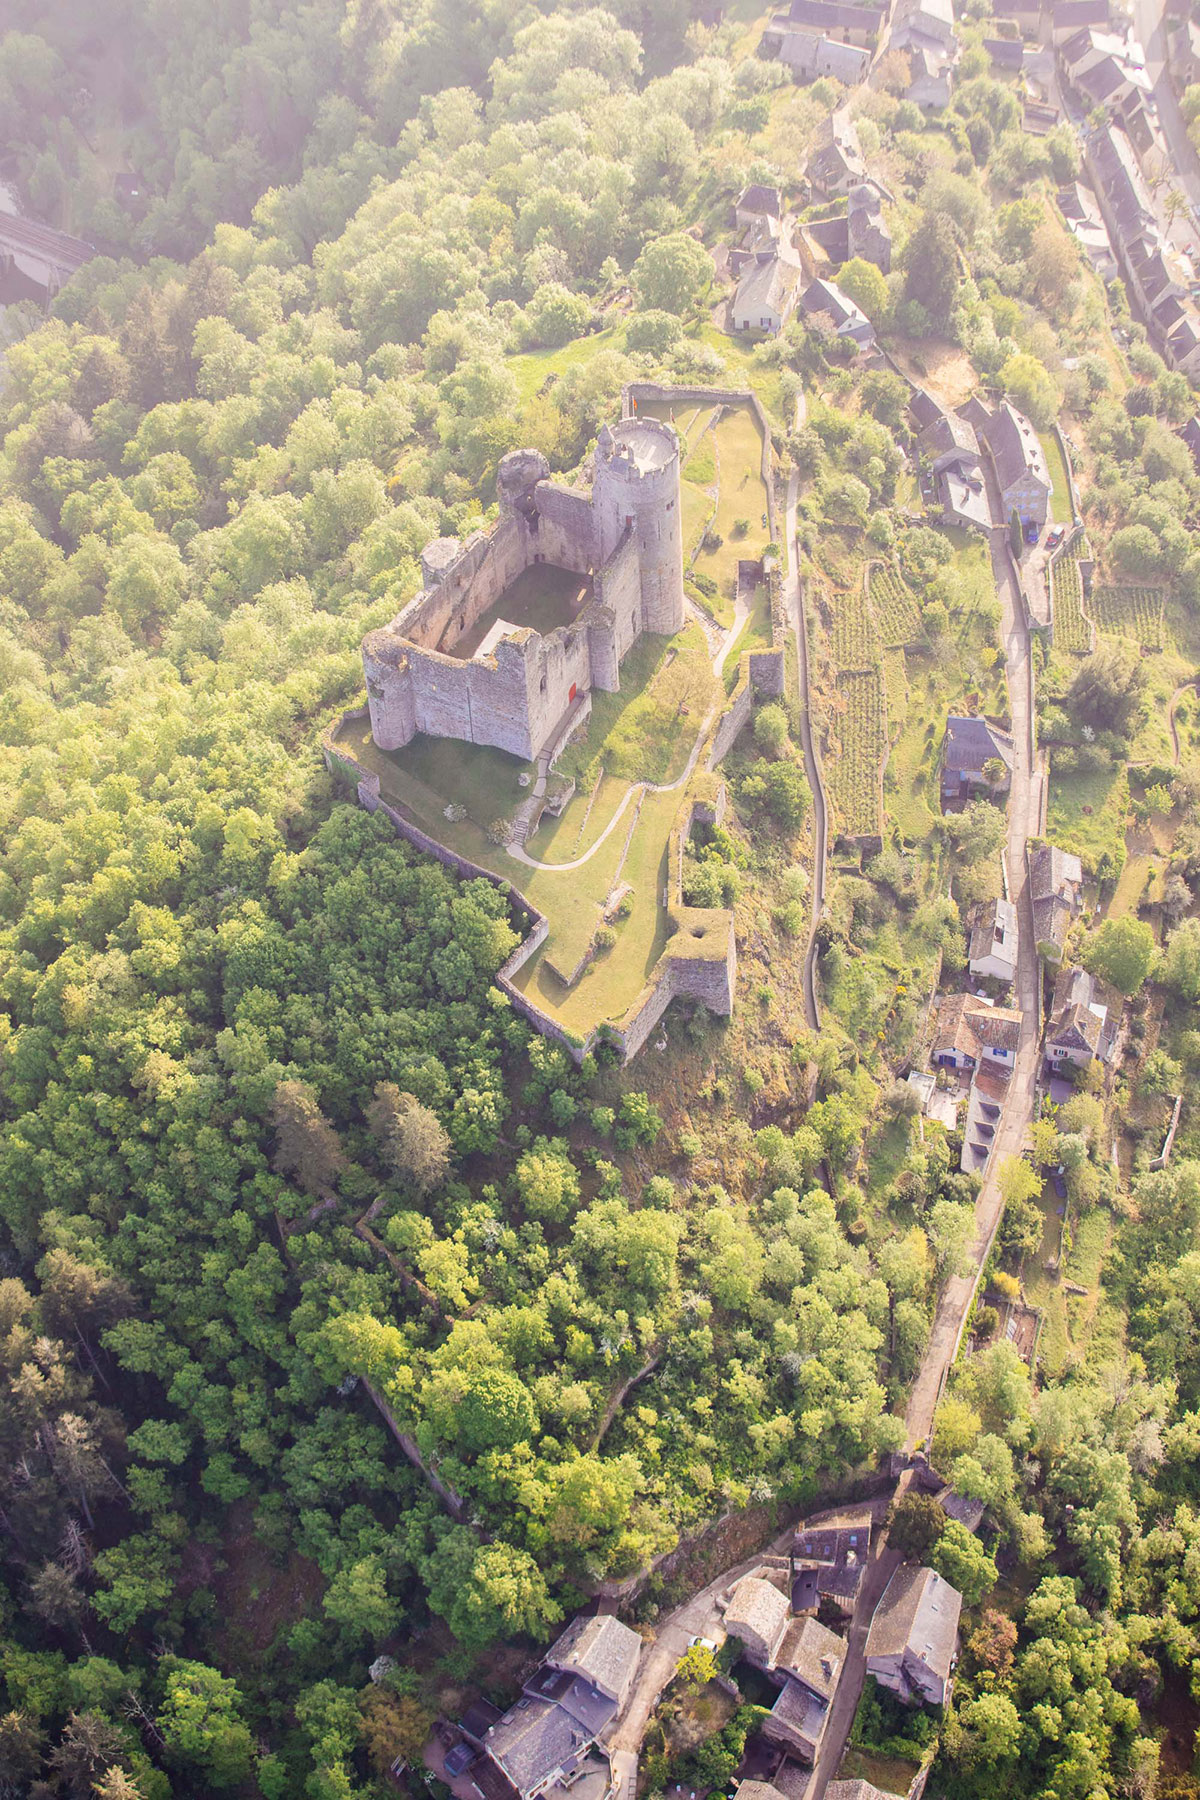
542	597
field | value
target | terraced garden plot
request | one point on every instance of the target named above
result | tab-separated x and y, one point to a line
1130	612
855	641
1070	625
894	606
854	772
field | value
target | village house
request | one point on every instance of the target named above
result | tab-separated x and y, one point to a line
970	1031
837	165
1184	62
913	1640
823	298
977	758
802	1657
1069	16
1078	1030
836	19
1079	208
992	945
757	202
1024	14
766	295
758	242
811	56
1056	896
1006	55
828	1561
545	1738
867	234
924	30
949	452
858	1789
1021	470
924	409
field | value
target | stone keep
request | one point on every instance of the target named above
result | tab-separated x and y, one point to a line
636	487
520	693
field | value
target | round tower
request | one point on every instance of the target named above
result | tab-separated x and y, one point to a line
636	484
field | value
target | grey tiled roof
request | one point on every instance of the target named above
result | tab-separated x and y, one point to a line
1016	447
601	1649
757	1606
971	742
812	1654
533	1740
917	1615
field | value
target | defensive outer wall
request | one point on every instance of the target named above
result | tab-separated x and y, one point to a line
699	960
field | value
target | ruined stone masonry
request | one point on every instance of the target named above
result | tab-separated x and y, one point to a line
517	686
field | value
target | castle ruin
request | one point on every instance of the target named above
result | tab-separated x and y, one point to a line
465	659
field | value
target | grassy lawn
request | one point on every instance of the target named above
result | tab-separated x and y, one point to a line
1164	673
531	367
732	453
1086	813
1097	1326
910	779
646	732
580	824
1044	1292
1128	892
613	982
890	1774
1060	488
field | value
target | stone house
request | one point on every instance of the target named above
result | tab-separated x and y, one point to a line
829	1560
810	55
836	19
1078	1030
949	443
1056	896
971	1031
913	1640
866	233
1021	470
858	1789
1184	62
765	298
545	1737
992	946
970	745
825	299
837	164
801	1656
1069	16
756	202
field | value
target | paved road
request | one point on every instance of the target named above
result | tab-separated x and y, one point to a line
697	1617
1148	23
1024	820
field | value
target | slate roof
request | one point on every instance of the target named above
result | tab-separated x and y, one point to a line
825	296
533	1740
833	1543
837	15
1073	1023
802	1712
479	1718
1123	183
760	199
1016	448
1069	15
601	1649
756	1790
917	1615
813	1655
855	1790
995	930
971	742
839	151
1006	53
764	288
924	408
946	434
757	1606
1055	877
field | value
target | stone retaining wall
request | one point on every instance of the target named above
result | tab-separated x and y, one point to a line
672	395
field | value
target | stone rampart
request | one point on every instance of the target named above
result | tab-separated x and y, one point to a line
635	392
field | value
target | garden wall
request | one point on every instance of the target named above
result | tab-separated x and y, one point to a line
634	392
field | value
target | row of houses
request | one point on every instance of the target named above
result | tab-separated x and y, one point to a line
912	1639
950	450
1165	303
771	278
